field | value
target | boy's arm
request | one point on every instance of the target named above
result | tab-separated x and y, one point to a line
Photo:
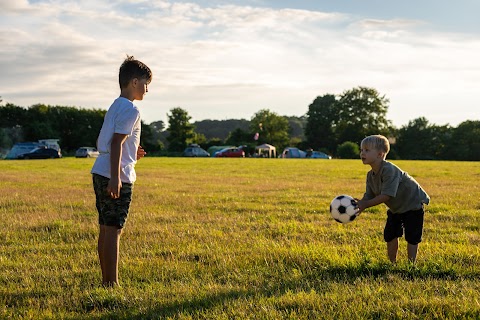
115	183
364	204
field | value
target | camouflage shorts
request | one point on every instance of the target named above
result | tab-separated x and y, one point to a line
111	212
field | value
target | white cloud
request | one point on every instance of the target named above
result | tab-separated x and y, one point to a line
230	61
13	5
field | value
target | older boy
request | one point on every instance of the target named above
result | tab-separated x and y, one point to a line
386	183
114	169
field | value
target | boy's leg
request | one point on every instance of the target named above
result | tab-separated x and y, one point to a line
111	248
393	230
392	249
412	252
413	223
100	248
112	216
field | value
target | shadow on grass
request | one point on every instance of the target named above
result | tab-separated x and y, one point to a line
115	307
378	270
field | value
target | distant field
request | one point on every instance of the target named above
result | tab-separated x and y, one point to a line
235	239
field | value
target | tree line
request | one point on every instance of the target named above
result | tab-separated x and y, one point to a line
334	123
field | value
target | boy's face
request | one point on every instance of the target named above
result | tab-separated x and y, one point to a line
140	87
370	155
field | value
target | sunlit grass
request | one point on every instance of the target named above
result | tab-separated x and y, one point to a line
235	238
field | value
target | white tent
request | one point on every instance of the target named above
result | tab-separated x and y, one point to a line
266	151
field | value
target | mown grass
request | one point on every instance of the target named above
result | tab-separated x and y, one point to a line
235	239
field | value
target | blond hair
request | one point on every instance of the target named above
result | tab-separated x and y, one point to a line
377	142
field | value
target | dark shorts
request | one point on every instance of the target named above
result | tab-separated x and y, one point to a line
111	212
411	222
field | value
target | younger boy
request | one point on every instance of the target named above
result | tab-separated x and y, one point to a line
386	183
114	169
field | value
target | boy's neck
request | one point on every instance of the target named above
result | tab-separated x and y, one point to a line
376	165
127	95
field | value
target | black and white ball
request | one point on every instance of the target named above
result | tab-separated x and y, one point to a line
343	209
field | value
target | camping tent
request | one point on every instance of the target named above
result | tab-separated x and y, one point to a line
266	151
24	147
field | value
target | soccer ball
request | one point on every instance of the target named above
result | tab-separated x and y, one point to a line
343	209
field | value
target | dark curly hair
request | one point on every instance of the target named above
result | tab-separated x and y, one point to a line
131	69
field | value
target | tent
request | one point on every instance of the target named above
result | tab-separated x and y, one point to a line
266	151
25	147
293	153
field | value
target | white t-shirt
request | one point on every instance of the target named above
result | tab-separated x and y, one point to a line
122	117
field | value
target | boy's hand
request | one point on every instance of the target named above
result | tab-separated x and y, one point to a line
361	205
140	152
364	204
113	188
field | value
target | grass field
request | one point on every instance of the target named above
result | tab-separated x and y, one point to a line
235	239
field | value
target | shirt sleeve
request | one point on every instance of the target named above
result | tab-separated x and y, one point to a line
125	121
391	178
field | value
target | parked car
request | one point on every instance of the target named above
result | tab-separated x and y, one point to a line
319	155
230	153
194	150
86	152
41	153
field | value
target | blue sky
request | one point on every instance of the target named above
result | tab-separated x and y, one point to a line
224	59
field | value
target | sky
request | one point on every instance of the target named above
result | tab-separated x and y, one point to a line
230	59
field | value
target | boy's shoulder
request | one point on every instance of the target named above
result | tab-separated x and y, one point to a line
123	106
390	169
388	166
122	102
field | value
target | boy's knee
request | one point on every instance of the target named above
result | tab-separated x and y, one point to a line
112	232
414	242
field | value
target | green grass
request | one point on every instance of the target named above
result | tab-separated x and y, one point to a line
235	239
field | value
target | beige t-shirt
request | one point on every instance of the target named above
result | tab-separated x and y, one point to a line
405	192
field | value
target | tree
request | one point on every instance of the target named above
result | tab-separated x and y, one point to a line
199	138
348	150
322	117
180	129
148	140
4	140
220	128
12	115
421	140
158	134
73	126
239	137
297	127
465	142
271	128
413	139
37	125
361	112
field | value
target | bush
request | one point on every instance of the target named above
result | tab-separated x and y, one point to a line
348	150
